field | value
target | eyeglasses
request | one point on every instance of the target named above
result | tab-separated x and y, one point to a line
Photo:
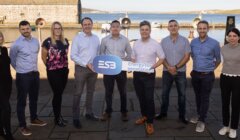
57	28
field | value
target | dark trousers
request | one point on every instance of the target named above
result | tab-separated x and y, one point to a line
121	80
202	83
181	82
5	108
230	91
27	84
144	86
57	80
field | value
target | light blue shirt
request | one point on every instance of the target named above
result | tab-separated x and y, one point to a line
24	54
84	49
175	51
205	54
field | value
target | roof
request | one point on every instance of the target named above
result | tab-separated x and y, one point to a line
38	2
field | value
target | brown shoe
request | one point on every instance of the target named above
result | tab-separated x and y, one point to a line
106	116
124	117
25	131
149	128
38	122
141	120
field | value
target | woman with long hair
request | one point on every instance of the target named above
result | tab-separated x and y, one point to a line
55	57
230	84
5	91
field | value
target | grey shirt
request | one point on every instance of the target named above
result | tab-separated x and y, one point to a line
175	51
231	59
119	47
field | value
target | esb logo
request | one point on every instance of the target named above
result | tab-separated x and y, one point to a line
107	64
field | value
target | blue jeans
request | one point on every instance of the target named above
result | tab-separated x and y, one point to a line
181	83
27	83
202	83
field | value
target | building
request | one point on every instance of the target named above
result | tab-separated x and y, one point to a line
65	11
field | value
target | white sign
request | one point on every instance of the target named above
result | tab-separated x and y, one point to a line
139	67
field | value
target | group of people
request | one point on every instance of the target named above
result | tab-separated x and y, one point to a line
173	52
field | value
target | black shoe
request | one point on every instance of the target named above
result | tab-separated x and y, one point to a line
8	137
77	124
59	122
124	117
183	120
92	117
63	120
161	116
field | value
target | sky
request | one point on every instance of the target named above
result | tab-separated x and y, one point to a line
160	5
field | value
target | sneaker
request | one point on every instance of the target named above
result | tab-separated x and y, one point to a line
141	120
77	124
92	117
194	120
38	122
232	133
25	131
124	117
223	131
200	127
161	116
106	116
149	128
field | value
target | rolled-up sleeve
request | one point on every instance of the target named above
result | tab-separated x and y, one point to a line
217	53
160	53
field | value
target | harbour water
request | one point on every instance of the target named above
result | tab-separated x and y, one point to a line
157	33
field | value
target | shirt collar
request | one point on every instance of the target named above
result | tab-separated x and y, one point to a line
119	37
24	38
85	35
207	38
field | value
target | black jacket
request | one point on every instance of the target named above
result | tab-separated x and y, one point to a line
5	73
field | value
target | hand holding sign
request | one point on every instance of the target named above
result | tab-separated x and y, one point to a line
112	65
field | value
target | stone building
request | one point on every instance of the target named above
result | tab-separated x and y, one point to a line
65	11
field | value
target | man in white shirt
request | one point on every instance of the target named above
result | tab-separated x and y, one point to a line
85	47
146	50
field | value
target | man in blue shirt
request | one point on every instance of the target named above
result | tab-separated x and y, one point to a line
24	57
206	58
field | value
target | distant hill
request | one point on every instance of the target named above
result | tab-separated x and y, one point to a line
216	11
88	10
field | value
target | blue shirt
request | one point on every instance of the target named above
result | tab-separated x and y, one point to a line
205	54
175	51
24	54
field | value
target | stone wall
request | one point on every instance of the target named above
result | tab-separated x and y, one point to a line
50	13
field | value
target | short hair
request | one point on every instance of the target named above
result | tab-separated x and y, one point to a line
24	23
115	21
86	18
203	22
235	30
145	22
172	20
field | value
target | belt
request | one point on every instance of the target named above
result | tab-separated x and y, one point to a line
202	73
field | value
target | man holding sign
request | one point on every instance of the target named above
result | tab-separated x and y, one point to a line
146	51
118	45
85	47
